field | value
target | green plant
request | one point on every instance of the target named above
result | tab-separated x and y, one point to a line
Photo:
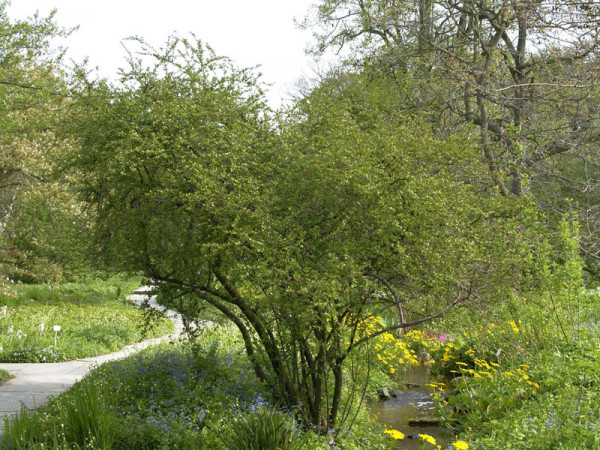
89	422
5	376
262	429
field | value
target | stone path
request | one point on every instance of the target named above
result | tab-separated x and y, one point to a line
34	383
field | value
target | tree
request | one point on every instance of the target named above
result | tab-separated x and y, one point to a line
523	74
32	93
299	233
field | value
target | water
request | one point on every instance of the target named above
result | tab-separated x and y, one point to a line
411	403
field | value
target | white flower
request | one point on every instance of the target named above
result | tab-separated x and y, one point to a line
42	327
56	327
4	308
10	329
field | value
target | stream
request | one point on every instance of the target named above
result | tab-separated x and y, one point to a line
411	403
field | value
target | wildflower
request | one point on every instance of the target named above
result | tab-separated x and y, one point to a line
460	445
447	357
470	352
395	434
427	438
514	326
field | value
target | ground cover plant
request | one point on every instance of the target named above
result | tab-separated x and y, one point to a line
189	395
45	323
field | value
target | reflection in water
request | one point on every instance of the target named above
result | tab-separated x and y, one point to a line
414	403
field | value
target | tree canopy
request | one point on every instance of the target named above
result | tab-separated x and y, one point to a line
299	231
36	208
523	75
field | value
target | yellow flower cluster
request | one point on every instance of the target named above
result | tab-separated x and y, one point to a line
395	434
390	350
491	370
430	440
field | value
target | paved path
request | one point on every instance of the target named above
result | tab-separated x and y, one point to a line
34	383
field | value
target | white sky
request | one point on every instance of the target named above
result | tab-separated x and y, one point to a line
258	32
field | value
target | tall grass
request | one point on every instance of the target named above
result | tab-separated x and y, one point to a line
87	423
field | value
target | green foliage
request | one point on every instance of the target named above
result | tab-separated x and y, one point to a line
94	319
42	227
530	379
297	233
87	423
154	396
189	396
5	376
262	429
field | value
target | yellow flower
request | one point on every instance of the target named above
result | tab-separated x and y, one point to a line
395	434
447	357
470	352
427	438
460	445
392	370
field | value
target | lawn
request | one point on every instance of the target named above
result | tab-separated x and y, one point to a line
43	323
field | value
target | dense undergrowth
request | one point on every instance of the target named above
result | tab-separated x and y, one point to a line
524	374
529	384
191	396
44	323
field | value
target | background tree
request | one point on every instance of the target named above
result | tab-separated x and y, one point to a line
37	213
524	74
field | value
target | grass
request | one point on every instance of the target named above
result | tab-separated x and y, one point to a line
5	376
43	323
